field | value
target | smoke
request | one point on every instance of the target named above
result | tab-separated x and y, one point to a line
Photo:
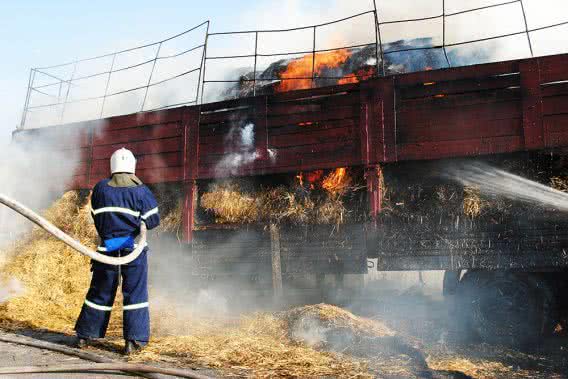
10	288
34	172
239	149
495	182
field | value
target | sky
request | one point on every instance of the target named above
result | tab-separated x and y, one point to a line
39	33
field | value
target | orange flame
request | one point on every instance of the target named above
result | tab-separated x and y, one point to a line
337	181
362	74
302	68
311	178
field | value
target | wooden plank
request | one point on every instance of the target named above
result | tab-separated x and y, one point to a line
190	168
388	120
161	175
459	86
165	116
556	139
459	100
554	105
532	104
138	134
102	166
434	115
316	104
209	172
226	116
555	123
338	113
364	121
348	123
554	89
553	68
313	92
447	149
164	145
310	136
465	129
292	152
276	265
374	177
456	73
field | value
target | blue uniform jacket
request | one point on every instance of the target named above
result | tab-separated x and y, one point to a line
118	213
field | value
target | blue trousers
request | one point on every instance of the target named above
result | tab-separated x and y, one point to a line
95	314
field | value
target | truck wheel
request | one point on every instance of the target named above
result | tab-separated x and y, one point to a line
505	308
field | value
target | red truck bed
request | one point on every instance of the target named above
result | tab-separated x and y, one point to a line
482	109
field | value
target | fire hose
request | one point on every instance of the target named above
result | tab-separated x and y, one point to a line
59	234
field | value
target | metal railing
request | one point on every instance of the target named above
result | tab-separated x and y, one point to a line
59	89
313	53
264	67
383	51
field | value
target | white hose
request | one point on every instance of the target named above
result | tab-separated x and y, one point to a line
58	233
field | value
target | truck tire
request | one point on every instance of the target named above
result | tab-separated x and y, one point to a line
506	308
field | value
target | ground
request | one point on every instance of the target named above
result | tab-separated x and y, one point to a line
12	355
415	312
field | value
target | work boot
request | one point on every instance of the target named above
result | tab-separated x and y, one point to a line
132	347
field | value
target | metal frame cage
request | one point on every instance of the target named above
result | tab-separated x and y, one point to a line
257	69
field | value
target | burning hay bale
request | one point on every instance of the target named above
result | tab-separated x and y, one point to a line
306	203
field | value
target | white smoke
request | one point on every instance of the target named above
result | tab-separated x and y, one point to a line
35	173
240	150
10	288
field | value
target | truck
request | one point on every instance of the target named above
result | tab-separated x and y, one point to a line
396	135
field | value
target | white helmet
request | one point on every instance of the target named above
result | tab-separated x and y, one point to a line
122	160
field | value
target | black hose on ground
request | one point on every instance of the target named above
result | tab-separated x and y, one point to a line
20	340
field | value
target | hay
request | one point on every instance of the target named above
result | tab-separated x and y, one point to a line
256	346
475	368
473	204
230	204
302	319
559	183
172	222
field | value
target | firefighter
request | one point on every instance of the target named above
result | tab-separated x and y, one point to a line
119	206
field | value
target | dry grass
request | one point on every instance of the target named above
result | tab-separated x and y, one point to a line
559	183
473	204
172	222
329	316
256	346
475	368
230	204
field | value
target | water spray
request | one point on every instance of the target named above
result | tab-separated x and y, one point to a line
493	181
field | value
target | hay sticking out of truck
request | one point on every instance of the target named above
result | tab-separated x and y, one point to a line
302	203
